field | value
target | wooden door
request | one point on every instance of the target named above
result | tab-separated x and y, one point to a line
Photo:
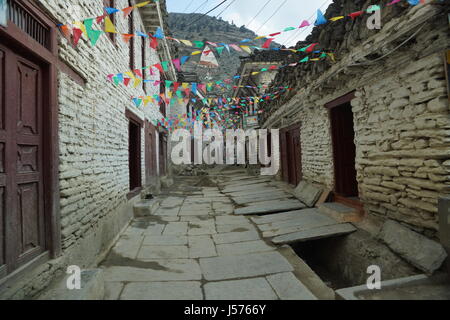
21	176
284	156
134	154
344	149
150	152
162	154
296	152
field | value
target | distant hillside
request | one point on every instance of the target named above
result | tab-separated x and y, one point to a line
213	30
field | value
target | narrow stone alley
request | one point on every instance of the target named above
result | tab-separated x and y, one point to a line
192	246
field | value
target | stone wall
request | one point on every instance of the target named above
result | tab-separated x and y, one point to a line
93	142
401	115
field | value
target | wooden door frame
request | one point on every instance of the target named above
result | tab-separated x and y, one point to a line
347	98
18	40
132	117
284	160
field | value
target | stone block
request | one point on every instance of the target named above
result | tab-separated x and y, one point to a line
425	254
288	287
244	266
307	193
173	290
246	289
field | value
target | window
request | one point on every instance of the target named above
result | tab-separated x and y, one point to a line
131	31
144	59
163	90
111	4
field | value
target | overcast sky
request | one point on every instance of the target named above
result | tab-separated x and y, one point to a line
241	12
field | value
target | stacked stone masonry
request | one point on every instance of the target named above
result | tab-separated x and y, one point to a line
93	140
401	112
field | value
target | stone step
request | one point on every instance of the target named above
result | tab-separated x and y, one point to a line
340	212
92	287
145	208
315	234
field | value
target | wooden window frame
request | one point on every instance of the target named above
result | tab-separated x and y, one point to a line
131	44
49	60
144	61
111	4
133	118
162	89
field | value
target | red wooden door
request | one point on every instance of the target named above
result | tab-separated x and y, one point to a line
21	181
284	155
344	150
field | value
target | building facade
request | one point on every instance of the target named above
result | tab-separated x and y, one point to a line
76	152
372	126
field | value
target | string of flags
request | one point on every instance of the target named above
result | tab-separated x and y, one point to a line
187	120
271	37
219	47
170	99
138	75
74	31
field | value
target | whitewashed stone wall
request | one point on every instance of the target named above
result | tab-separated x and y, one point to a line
401	120
93	141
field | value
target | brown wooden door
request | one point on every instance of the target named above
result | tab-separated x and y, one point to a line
21	181
284	155
344	150
150	152
134	155
162	154
296	155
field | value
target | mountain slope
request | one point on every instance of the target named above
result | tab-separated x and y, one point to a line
185	26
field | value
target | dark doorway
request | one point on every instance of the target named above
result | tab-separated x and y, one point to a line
150	152
291	154
134	131
162	154
344	150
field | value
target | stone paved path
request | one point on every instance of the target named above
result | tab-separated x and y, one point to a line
194	247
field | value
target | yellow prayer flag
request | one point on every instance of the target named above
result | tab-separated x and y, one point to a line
337	18
142	4
137	82
109	26
246	49
81	26
187	43
196	53
130	74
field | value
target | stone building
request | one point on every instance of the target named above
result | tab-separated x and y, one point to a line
82	152
373	125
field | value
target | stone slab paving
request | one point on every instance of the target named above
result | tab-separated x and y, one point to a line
172	290
176	228
244	266
254	192
288	287
163	252
247	289
243	248
260	198
316	233
202	228
201	247
243	227
268	207
157	270
194	247
232	237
